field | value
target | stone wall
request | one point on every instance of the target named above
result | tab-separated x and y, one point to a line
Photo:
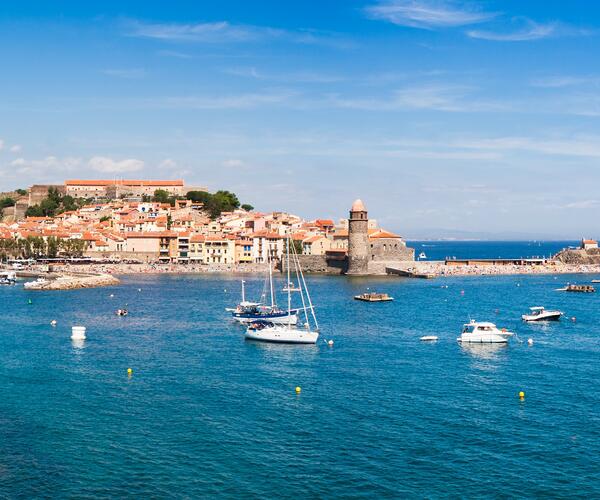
321	264
390	249
38	192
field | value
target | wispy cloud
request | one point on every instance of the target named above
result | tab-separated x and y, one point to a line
175	54
427	14
226	32
529	31
240	101
580	146
127	73
15	148
450	98
295	77
582	204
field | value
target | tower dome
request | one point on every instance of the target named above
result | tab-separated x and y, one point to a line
358	206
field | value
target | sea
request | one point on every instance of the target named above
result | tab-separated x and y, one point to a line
207	414
448	249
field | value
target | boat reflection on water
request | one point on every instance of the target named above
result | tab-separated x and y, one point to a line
484	351
78	343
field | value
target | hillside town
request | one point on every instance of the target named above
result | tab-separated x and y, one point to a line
164	222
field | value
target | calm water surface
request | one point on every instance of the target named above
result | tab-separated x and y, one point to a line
380	415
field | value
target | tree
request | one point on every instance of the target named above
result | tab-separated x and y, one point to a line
21	192
198	196
105	218
52	246
247	207
34	211
161	196
7	202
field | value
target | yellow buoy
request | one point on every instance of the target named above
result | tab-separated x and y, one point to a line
298	390
521	395
129	371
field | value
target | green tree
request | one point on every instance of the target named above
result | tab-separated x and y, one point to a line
21	192
247	207
34	211
198	196
52	246
161	196
7	202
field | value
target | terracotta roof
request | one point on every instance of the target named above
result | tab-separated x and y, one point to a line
589	242
150	234
136	182
380	233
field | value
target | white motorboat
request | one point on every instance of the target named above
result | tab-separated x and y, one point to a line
483	332
540	314
8	278
267	331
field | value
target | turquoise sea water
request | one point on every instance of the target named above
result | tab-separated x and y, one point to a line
380	415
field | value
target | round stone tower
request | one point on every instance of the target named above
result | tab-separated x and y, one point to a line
358	239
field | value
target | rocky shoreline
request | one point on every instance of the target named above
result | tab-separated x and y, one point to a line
73	282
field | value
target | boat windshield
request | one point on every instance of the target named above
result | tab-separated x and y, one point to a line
468	329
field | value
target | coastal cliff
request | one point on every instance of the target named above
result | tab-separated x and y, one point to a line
578	256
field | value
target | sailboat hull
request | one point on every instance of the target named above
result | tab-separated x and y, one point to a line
278	318
283	335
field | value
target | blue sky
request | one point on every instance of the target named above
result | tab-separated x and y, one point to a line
480	116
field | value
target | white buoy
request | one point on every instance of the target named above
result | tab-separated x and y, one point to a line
139	289
330	343
78	333
428	338
530	341
112	295
53	322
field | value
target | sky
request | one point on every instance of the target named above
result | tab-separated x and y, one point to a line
442	115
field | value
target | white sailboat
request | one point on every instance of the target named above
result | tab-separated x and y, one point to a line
268	331
248	312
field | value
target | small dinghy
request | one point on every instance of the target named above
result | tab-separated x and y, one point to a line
428	338
122	312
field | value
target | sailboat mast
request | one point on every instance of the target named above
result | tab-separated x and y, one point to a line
271	279
243	292
289	292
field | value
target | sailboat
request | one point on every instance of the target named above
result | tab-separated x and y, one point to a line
248	312
287	332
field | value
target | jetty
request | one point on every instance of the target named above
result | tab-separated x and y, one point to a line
410	273
51	281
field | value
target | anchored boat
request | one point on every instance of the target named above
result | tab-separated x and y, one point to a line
483	333
540	314
373	297
287	332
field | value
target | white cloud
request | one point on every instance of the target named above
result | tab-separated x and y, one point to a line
66	164
531	31
15	148
108	165
583	204
1	144
427	14
225	32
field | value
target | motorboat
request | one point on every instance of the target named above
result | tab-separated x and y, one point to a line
122	312
287	332
8	278
483	332
541	314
